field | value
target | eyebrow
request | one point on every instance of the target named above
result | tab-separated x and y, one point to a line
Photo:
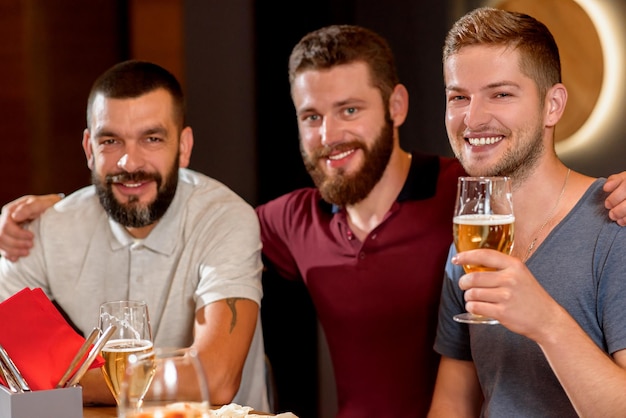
335	105
489	86
105	132
156	130
504	83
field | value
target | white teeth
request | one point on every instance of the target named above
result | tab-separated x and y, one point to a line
485	141
131	184
340	156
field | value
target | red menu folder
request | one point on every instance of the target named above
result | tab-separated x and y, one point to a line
38	339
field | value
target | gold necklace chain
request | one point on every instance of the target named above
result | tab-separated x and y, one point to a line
552	213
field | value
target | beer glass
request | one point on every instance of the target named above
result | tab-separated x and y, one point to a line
132	336
169	383
483	218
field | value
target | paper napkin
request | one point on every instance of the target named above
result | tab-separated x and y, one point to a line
38	339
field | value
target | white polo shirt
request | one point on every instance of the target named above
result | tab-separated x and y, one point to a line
205	248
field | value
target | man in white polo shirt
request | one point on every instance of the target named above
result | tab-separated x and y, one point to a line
150	229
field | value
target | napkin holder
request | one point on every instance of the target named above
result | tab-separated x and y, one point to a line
53	403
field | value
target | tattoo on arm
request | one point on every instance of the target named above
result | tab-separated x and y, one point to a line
231	304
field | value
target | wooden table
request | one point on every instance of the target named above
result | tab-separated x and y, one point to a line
111	411
99	411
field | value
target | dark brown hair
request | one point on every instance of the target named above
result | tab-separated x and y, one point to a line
134	78
345	44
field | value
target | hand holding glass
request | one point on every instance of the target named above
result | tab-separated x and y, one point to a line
483	218
133	335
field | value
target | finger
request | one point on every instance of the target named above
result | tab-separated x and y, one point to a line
612	182
618	214
12	241
14	254
486	258
15	241
481	286
12	230
32	207
475	284
14	249
478	307
616	187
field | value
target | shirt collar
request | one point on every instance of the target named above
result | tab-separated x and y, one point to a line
421	182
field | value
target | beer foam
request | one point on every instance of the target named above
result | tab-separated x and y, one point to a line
125	345
474	219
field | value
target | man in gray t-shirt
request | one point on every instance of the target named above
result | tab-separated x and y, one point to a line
580	264
559	349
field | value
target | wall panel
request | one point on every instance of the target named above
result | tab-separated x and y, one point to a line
51	53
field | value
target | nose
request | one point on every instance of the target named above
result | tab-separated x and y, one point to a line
476	114
131	161
330	132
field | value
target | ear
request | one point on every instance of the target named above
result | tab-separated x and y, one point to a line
88	149
399	104
185	146
556	99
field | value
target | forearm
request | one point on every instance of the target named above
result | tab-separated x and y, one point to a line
223	385
223	335
594	382
457	390
451	409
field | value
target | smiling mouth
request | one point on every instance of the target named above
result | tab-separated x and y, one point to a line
130	180
488	140
341	155
131	185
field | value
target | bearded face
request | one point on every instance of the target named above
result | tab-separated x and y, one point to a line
518	160
341	188
132	213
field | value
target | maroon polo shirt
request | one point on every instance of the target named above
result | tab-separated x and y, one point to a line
376	300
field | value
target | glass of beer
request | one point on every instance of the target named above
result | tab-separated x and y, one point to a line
169	383
483	218
132	336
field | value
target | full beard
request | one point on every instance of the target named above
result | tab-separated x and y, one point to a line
344	189
133	214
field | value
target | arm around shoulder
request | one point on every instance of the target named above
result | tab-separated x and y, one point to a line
616	200
15	240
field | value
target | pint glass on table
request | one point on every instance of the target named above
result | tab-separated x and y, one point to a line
132	336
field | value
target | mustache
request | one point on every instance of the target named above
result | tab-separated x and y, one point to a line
126	177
